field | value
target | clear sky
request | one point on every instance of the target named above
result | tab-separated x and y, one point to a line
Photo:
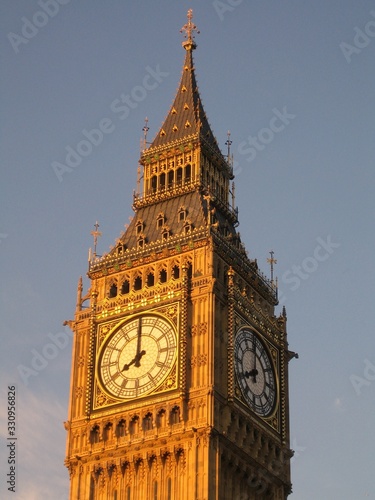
294	83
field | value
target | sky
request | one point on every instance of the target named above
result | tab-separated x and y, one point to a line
294	83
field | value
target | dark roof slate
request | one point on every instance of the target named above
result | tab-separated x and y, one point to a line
186	116
195	214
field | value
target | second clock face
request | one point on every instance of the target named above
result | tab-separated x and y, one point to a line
138	357
255	372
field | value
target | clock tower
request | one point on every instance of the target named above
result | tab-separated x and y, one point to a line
179	382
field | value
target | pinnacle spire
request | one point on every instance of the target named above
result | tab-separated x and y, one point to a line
186	118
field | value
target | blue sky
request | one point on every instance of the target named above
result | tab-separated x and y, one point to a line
304	187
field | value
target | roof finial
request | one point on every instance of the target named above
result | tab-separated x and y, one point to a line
228	143
189	28
95	234
145	129
272	261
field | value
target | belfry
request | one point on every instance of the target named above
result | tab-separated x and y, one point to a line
179	381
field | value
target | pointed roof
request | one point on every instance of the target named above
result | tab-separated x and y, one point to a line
186	117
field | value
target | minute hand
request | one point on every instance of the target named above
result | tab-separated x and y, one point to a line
139	353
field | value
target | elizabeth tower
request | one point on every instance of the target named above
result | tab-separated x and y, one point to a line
179	381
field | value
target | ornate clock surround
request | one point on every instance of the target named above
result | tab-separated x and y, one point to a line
105	330
243	321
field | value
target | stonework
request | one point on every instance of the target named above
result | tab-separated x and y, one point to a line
179	382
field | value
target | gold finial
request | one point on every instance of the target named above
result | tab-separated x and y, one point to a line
145	129
228	143
95	234
272	261
189	28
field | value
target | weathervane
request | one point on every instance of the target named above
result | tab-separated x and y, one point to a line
189	29
272	261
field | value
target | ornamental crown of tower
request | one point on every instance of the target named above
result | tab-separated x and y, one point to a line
179	385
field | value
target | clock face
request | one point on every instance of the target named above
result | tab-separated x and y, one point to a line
255	372
138	357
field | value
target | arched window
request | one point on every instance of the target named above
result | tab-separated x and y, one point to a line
147	422
162	181
160	419
160	220
175	415
179	175
139	227
121	428
150	279
138	283
113	291
163	276
176	272
125	287
182	214
170	178
95	434
108	432
154	183
188	173
134	425
141	242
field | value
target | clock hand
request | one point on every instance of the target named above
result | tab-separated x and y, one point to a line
254	371
139	353
135	361
127	366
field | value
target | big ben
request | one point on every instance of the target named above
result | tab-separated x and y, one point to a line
179	380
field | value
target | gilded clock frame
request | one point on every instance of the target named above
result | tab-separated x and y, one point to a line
170	313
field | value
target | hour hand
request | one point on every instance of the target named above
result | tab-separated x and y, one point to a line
136	361
127	366
252	373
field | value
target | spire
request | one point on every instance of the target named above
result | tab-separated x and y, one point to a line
186	118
